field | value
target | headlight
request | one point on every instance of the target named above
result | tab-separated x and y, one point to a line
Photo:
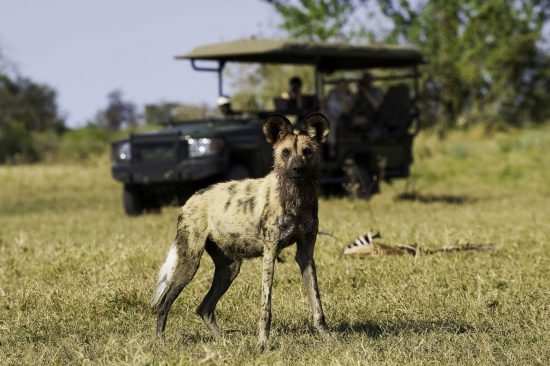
204	147
124	152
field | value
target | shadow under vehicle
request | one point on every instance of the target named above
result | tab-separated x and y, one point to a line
167	166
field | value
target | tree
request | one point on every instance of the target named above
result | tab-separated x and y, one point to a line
171	111
33	105
26	108
160	113
321	20
118	114
484	60
257	85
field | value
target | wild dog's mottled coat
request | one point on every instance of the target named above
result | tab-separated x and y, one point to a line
250	218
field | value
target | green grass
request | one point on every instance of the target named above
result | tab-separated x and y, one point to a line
76	274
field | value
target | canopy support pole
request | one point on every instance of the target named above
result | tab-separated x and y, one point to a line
416	76
218	70
319	85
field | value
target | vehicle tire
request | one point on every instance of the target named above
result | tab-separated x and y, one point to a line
152	206
132	201
236	172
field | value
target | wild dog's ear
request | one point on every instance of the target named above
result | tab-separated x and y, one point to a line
316	126
276	126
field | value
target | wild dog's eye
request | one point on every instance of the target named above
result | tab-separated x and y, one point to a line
307	152
286	153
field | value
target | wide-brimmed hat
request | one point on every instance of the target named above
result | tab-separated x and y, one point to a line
223	100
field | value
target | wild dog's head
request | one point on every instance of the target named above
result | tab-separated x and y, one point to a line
297	153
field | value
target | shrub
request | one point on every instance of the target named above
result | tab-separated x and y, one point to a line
16	143
82	144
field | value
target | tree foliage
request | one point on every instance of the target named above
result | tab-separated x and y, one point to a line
158	113
31	104
257	85
118	114
26	107
483	58
484	62
321	21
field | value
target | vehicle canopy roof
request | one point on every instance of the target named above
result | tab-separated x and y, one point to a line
326	56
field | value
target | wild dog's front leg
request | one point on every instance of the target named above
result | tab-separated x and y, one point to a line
304	258
270	256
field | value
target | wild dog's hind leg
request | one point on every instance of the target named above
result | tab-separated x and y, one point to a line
226	270
177	271
304	258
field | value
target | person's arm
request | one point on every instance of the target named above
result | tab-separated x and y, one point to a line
348	103
299	100
374	101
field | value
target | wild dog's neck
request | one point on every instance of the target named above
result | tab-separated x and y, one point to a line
297	195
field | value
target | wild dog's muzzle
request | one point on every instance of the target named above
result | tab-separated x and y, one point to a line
297	169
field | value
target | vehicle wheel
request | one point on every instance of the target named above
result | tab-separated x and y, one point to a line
237	171
152	206
133	201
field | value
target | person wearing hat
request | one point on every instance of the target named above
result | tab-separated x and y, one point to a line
224	105
294	94
368	97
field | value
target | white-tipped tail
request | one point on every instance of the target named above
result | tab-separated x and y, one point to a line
165	275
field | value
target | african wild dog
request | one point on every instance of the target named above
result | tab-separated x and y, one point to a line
249	218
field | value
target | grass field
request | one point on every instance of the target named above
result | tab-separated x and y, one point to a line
76	275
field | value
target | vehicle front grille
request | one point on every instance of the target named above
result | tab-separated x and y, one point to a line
158	151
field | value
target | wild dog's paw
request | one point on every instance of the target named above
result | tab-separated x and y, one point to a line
262	345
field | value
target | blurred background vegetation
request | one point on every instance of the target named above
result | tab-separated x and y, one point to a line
487	66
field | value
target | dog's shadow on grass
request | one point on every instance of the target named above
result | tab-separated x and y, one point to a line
376	330
433	198
381	329
198	337
345	329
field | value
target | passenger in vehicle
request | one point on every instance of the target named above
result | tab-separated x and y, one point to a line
294	96
224	105
368	98
339	100
337	105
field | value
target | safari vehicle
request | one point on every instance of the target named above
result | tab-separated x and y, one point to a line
168	166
